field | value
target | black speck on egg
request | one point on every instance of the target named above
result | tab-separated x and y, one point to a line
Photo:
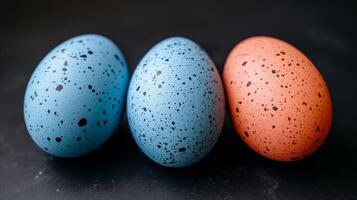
59	87
82	122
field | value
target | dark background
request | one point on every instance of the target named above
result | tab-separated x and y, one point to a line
326	32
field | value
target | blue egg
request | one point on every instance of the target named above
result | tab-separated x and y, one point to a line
75	97
175	103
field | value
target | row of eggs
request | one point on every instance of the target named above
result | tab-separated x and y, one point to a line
175	101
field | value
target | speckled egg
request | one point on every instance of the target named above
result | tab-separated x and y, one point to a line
175	103
279	102
76	95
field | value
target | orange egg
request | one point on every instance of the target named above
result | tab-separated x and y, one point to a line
279	102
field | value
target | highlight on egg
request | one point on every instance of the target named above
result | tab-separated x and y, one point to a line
75	97
175	103
278	100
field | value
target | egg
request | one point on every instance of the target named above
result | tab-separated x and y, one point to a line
279	102
175	103
75	97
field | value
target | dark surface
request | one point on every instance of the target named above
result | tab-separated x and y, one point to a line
118	170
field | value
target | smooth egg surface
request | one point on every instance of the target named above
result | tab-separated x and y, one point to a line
279	102
76	95
175	103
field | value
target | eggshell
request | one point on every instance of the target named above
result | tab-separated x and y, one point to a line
279	102
175	103
75	97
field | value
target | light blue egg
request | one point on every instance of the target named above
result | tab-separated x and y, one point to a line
75	97
175	103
